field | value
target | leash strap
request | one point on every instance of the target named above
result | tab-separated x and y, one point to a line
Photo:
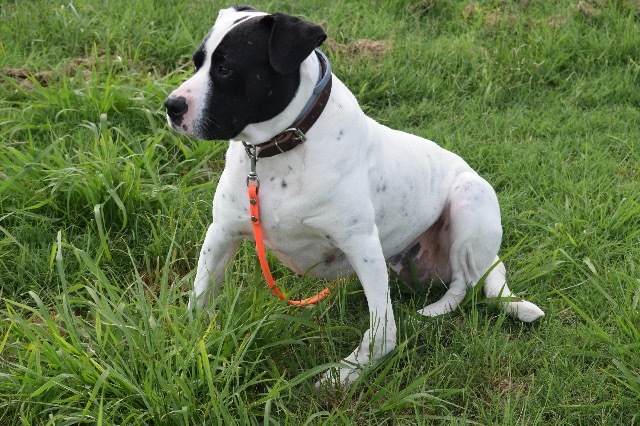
254	210
283	142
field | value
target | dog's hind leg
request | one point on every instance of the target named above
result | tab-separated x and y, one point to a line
457	288
495	285
475	233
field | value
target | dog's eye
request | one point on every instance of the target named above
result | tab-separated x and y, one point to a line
223	71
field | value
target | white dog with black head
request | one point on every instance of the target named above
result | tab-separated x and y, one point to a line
339	192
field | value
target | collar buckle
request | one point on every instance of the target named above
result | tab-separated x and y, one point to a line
298	134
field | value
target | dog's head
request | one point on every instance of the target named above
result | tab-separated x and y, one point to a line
247	70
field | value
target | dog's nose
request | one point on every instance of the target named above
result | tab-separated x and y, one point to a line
176	108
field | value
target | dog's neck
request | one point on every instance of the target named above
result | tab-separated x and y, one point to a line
257	133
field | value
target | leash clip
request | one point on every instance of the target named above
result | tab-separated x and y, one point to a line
253	156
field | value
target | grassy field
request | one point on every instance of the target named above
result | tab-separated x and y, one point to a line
102	210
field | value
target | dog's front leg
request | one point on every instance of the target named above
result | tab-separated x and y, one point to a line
366	257
217	251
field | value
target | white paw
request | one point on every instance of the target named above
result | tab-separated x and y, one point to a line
437	309
430	312
524	311
342	377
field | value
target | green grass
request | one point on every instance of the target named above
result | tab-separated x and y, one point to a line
103	209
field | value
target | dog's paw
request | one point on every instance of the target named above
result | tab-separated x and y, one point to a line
341	377
524	311
431	312
438	308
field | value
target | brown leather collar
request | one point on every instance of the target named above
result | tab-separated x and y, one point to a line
295	134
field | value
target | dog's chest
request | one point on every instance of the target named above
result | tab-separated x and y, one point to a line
290	203
289	221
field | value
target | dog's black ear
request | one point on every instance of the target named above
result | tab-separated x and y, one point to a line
291	41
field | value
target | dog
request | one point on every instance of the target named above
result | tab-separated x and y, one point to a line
340	193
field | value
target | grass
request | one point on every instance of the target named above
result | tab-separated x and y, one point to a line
102	210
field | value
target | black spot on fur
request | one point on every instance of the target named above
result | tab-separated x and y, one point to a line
404	258
394	260
413	251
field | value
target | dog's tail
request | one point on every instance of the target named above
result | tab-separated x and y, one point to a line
495	285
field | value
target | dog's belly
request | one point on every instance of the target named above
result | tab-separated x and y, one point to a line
312	257
425	258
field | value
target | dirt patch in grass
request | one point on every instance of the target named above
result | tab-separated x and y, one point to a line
505	18
588	9
422	7
494	18
557	21
362	49
26	77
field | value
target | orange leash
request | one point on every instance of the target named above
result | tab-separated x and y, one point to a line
254	209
